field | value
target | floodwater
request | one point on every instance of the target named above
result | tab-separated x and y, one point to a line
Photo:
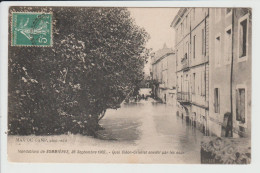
152	125
141	132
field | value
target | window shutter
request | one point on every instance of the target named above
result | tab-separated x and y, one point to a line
242	101
215	100
238	117
240	40
218	101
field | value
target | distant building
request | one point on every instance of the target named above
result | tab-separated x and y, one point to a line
230	72
163	70
192	65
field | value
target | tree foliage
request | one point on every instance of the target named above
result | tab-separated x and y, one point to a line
96	61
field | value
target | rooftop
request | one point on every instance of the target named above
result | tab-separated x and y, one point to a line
161	53
178	16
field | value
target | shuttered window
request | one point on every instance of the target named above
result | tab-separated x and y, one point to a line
216	100
243	38
203	83
240	105
193	83
194	46
202	42
176	57
187	49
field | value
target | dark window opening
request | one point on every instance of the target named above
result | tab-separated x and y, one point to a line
216	100
240	105
194	46
243	38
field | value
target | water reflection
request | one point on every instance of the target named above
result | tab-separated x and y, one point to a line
149	124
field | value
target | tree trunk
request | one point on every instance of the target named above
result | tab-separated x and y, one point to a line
102	115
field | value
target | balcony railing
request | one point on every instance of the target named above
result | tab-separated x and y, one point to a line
183	96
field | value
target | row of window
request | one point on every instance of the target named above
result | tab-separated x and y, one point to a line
228	43
184	26
195	49
240	103
242	44
198	83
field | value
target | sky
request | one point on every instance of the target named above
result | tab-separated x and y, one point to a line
156	21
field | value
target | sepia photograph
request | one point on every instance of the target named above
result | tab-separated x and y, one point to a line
157	85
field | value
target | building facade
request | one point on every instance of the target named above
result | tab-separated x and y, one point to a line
230	72
192	66
163	75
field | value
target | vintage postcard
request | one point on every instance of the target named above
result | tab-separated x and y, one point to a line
129	85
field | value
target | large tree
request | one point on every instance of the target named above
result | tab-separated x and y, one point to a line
95	62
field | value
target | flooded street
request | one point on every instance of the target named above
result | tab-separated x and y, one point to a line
153	125
141	132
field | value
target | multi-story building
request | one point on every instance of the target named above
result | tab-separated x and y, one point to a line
230	72
192	65
163	75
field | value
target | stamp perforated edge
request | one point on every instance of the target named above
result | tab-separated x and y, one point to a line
11	22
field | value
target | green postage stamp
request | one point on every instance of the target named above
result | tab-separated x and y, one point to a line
31	29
